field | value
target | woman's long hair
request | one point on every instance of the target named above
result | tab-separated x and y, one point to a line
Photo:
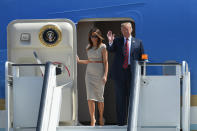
98	33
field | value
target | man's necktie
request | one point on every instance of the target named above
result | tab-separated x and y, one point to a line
126	54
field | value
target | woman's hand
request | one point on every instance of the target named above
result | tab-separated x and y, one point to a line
81	61
77	58
104	79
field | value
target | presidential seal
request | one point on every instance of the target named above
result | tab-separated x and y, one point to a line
50	35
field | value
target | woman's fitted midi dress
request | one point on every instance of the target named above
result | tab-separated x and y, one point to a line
94	75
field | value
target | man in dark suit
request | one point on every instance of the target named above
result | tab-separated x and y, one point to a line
127	50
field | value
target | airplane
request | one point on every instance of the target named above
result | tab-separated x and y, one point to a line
167	29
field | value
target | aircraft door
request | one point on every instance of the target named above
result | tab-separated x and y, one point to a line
40	41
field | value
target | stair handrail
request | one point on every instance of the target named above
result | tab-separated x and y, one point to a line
41	124
134	99
7	92
186	94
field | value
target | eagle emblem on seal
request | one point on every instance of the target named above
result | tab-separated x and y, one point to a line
50	35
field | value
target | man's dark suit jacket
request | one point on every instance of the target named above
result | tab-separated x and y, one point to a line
118	47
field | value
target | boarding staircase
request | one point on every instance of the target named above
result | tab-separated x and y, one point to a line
155	106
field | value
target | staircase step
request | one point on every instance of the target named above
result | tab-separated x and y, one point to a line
158	129
90	128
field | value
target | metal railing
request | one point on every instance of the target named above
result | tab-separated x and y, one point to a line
186	94
47	90
134	101
8	89
7	94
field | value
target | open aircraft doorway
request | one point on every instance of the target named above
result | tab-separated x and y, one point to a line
83	28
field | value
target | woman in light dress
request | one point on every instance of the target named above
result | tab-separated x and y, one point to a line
96	73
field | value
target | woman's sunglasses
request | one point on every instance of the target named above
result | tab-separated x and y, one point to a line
94	36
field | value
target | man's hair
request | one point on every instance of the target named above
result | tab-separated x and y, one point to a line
126	23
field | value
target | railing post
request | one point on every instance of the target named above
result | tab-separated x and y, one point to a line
134	99
186	93
43	104
7	95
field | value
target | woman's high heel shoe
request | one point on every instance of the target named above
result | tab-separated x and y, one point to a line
93	122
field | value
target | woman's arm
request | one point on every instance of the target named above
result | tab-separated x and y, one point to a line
105	62
82	61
